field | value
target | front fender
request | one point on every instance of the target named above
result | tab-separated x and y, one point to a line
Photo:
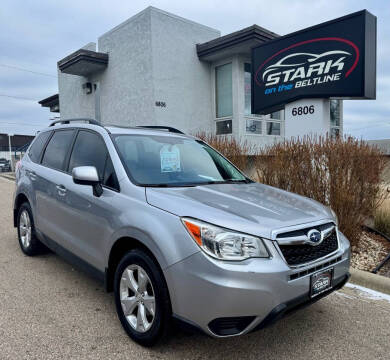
161	232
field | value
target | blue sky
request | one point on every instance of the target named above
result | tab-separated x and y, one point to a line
34	35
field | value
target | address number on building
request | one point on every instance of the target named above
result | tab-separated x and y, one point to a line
302	110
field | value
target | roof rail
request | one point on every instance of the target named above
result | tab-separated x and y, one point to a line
67	121
168	128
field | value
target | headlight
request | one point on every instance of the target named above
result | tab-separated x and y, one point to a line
335	216
224	244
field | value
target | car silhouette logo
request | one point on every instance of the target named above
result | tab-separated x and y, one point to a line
314	237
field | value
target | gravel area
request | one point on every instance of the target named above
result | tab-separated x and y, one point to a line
48	310
372	249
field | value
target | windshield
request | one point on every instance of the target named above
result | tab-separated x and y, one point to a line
173	161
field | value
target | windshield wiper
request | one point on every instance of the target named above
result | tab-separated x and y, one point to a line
164	185
228	181
211	182
234	181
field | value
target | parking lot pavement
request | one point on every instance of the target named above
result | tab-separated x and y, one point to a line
48	310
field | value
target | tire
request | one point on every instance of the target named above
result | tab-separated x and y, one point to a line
28	241
152	324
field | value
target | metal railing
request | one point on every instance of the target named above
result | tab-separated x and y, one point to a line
387	258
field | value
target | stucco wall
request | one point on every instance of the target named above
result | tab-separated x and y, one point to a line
179	78
73	102
126	87
152	57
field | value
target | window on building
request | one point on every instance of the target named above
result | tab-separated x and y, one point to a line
335	115
247	89
224	127
248	94
335	112
276	115
224	90
334	133
57	149
273	128
253	126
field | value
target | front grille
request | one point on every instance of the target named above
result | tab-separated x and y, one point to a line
303	253
314	269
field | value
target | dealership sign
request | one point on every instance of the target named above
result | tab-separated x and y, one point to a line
336	59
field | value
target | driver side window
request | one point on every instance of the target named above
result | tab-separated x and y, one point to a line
90	150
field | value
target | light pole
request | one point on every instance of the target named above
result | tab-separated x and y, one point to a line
10	151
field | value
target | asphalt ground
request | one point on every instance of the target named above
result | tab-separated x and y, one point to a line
49	310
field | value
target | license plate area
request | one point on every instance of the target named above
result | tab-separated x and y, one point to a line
321	282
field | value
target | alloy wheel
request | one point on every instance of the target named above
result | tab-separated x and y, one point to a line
25	229
137	298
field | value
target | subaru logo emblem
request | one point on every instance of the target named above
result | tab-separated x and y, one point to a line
314	237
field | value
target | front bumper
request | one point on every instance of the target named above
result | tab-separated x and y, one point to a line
233	298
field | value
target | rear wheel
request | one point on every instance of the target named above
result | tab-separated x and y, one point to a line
28	241
142	298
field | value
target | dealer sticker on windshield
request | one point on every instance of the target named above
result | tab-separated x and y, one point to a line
321	282
170	158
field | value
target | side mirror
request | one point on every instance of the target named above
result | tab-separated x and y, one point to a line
87	175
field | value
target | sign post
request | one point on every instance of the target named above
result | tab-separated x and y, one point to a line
10	151
306	117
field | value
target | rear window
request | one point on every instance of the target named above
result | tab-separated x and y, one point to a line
37	146
57	149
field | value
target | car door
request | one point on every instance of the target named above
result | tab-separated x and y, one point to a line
88	218
50	189
31	170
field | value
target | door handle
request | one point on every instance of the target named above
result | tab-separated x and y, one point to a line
61	190
32	175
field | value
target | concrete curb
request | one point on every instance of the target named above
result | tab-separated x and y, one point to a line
6	178
370	280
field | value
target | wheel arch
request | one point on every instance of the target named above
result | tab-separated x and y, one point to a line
118	250
19	200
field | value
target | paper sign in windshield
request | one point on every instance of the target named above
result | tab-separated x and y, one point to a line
170	158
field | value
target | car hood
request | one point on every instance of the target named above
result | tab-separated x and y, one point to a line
251	208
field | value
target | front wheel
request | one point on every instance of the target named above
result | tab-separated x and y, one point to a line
142	298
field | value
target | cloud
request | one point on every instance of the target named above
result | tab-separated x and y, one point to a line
35	35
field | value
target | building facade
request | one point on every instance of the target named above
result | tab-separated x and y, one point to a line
159	69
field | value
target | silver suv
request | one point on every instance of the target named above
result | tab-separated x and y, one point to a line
174	229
